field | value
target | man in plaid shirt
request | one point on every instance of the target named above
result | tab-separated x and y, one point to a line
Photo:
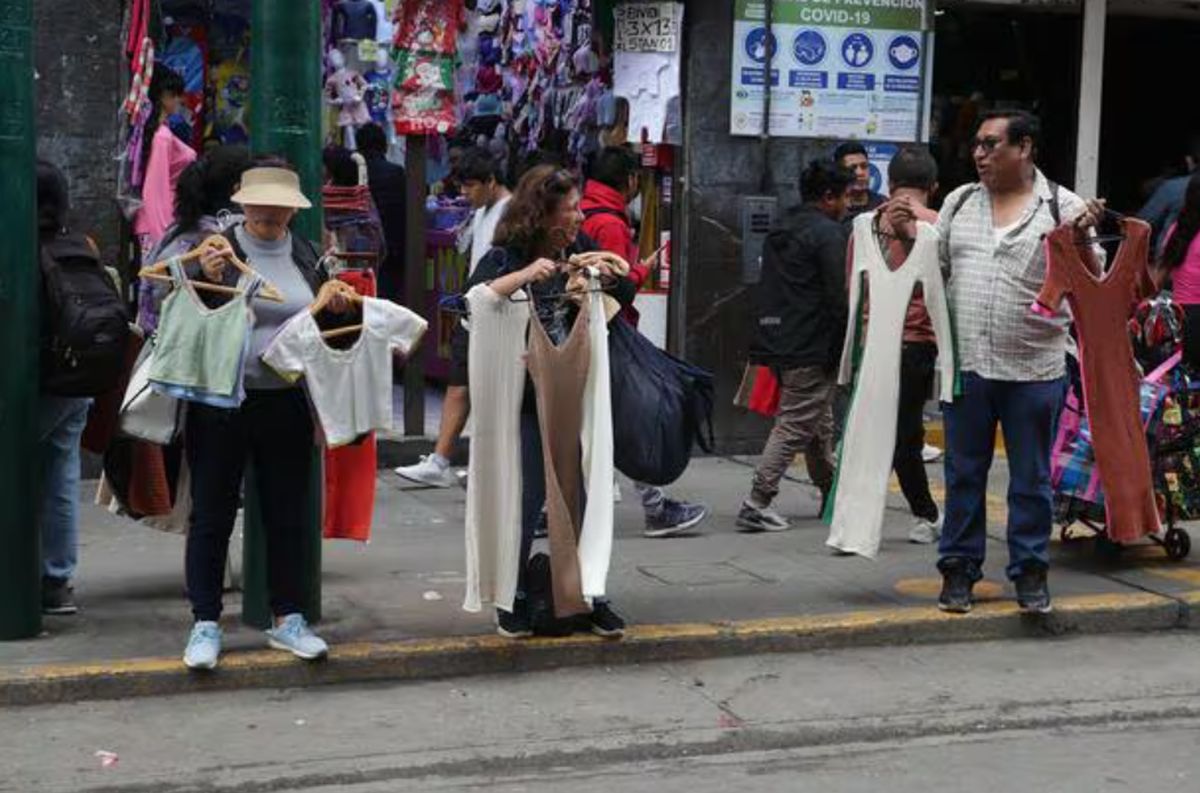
1012	361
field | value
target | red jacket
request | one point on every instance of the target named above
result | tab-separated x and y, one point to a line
607	223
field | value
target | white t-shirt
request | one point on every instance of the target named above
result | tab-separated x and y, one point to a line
350	389
483	228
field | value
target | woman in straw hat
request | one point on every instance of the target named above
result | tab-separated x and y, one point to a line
273	427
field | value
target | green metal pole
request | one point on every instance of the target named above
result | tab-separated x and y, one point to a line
20	547
285	119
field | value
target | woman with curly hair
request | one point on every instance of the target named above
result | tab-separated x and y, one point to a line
539	231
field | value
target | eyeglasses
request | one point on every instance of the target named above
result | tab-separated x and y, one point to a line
988	144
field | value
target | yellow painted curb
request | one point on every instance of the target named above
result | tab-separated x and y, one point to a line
488	654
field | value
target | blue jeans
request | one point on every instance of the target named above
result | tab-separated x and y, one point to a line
1028	415
61	421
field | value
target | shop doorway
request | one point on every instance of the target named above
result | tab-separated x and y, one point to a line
1149	115
991	58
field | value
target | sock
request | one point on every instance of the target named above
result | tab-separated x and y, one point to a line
439	461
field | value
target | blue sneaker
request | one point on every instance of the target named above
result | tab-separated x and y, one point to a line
294	635
674	518
204	646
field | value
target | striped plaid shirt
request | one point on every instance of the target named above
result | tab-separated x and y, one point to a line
993	284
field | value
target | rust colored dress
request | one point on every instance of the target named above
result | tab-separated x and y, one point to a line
1101	307
559	378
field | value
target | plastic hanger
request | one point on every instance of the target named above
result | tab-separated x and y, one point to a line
325	294
158	272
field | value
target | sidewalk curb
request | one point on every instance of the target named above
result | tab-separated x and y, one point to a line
459	656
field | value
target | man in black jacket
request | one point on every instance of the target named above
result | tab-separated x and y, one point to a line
388	189
800	313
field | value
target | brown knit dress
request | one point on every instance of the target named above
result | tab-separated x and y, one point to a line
1101	307
559	377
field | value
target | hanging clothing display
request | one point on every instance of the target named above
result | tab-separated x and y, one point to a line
560	375
493	520
869	440
1101	307
168	157
350	469
350	389
199	352
599	469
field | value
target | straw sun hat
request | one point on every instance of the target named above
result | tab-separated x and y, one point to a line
271	187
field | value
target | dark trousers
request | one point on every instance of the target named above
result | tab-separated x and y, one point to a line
917	363
533	491
533	494
274	430
1028	415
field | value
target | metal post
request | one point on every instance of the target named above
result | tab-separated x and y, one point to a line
1091	93
415	282
20	548
285	119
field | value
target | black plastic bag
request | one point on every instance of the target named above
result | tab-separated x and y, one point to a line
661	406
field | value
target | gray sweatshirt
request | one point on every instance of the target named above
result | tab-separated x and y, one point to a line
273	261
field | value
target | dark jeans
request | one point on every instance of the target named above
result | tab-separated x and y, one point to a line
274	430
533	491
1028	415
917	363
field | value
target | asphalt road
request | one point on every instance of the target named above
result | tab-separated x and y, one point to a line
1086	714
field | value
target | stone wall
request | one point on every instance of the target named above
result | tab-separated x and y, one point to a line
78	59
720	169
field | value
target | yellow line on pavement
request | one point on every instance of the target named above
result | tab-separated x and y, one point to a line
413	650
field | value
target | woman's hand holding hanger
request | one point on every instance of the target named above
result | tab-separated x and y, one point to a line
214	258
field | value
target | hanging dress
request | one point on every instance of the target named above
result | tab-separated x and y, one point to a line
869	441
496	370
1101	307
559	378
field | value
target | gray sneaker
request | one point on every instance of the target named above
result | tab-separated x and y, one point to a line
204	646
294	635
673	518
429	472
754	519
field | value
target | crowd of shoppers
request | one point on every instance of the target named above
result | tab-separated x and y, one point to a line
989	233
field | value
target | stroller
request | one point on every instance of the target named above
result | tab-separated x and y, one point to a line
1170	411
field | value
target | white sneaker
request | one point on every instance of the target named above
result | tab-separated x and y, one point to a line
294	636
931	454
204	646
925	533
429	471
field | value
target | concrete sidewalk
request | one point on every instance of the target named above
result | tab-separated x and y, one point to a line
393	607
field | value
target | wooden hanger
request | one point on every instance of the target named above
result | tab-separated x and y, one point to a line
159	271
325	294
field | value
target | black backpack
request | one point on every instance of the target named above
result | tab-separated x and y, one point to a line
85	323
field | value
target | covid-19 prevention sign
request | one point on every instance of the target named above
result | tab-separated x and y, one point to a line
839	68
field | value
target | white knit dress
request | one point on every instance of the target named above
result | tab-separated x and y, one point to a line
869	441
496	369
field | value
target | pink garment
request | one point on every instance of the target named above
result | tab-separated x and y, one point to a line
1186	277
168	157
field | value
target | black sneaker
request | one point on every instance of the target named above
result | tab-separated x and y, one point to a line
1033	595
956	597
58	597
514	624
605	621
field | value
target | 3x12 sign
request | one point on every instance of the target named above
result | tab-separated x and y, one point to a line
647	27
